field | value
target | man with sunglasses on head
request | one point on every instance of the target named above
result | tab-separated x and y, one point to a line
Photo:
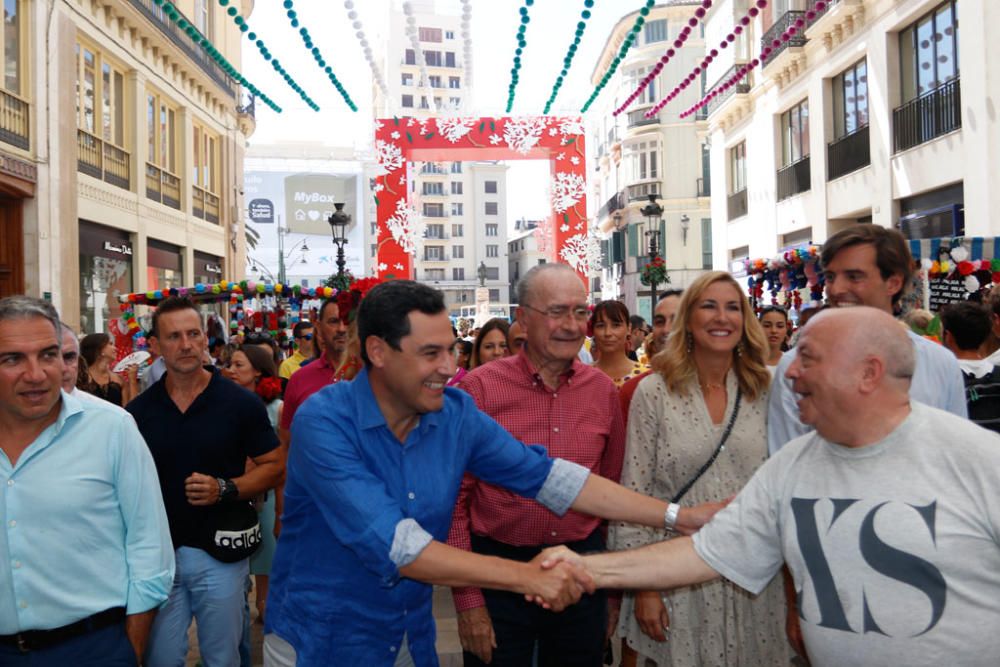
302	332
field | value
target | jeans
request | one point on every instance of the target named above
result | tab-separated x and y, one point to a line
279	653
107	647
214	594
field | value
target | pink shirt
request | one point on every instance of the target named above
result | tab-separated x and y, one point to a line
304	383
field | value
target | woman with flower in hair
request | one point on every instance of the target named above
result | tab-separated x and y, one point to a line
697	432
252	367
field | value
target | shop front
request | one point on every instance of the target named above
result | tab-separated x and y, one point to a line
105	272
207	268
164	265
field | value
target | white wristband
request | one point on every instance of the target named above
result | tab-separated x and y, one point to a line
670	516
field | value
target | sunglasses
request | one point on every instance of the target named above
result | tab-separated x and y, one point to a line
306	337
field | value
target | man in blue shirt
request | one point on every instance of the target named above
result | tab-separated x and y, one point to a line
85	553
374	469
201	428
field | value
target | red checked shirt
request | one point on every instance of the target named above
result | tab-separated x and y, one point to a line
580	421
304	383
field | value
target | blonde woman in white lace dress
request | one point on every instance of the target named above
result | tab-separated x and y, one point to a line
716	352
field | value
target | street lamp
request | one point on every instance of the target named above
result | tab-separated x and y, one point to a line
338	224
653	211
685	224
282	256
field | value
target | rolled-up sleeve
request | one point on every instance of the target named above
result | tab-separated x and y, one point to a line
409	541
562	486
149	553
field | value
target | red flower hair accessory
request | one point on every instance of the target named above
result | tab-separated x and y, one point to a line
268	388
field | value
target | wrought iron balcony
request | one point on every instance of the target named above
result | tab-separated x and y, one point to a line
741	88
849	153
774	33
205	205
638	118
14	120
615	203
794	179
162	186
736	204
927	117
641	191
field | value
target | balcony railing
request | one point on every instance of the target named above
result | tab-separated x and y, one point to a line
703	187
250	108
742	87
784	22
434	214
736	204
638	118
436	258
819	12
642	191
162	186
615	203
155	14
794	179
102	160
931	115
204	205
14	121
849	153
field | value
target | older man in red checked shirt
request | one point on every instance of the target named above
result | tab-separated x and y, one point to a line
543	395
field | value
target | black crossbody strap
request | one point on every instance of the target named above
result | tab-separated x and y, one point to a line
708	464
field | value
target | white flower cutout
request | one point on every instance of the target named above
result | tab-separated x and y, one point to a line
388	156
574	159
454	129
403	226
495	139
382	266
567	190
379	187
564	228
560	157
398	266
395	134
523	134
571	125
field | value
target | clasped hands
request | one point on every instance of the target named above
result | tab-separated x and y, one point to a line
559	578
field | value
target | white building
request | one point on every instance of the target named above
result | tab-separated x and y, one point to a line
523	252
863	116
664	155
463	204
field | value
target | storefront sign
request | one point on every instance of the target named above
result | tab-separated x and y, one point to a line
120	248
261	210
213	268
944	291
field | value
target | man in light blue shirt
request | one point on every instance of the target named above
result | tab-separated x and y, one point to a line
85	552
869	265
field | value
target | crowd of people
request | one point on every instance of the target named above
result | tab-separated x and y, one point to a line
723	486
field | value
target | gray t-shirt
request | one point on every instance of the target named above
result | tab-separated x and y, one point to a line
894	547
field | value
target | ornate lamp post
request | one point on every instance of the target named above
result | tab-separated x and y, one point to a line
338	224
653	211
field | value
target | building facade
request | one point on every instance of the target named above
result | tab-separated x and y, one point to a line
125	144
665	156
876	111
462	204
523	252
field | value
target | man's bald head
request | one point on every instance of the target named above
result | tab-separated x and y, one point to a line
864	332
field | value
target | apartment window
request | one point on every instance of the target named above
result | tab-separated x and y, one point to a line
434	274
423	102
435	231
491	208
434	210
490	187
435	81
433	188
492	273
449	34
374	249
458	273
738	167
161	128
492	229
407	79
434	253
100	90
407	101
457	231
206	159
928	51
429	34
458	252
850	100
456	167
655	31
643	160
437	102
374	229
492	250
204	19
455	101
795	133
12	36
706	243
495	295
456	187
454	82
410	57
456	208
432	58
449	59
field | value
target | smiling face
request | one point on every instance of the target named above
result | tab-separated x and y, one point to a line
31	369
493	346
775	327
611	336
554	341
853	279
824	377
180	340
241	371
415	375
716	319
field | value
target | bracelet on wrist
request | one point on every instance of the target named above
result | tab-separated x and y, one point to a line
670	516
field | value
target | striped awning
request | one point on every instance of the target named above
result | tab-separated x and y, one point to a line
979	247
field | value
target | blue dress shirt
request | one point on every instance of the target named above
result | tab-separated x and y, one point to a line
359	505
84	527
937	382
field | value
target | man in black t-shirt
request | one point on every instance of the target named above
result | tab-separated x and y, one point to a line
201	429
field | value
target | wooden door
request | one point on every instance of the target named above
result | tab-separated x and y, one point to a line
11	247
